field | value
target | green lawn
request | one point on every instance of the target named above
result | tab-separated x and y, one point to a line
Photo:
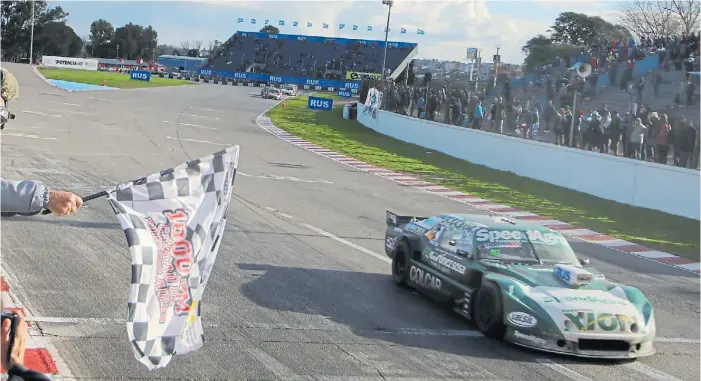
119	80
653	229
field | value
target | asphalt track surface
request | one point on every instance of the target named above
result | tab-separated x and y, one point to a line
289	297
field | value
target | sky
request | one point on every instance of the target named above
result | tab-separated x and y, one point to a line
450	26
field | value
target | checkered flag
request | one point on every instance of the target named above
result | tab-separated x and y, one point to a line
173	222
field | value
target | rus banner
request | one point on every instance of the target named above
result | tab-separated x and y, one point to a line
173	222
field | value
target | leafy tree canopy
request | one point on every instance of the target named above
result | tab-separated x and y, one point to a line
270	29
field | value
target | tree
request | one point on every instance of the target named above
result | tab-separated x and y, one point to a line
58	39
164	49
542	50
135	41
579	29
101	38
193	53
661	17
270	29
197	44
688	13
15	26
185	45
213	45
148	41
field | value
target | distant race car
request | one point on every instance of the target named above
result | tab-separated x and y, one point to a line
272	93
289	90
519	282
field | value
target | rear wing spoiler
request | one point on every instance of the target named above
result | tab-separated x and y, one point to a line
394	219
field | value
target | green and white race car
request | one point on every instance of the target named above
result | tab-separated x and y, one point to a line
520	282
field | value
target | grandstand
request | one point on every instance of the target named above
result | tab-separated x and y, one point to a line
310	57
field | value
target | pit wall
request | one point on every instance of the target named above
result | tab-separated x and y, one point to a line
665	188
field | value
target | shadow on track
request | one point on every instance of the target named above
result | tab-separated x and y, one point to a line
372	306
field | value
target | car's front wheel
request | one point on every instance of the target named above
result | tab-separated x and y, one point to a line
400	263
488	311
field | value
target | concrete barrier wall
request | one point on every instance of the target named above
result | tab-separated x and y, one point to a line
665	188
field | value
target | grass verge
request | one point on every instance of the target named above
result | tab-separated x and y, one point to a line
119	80
657	230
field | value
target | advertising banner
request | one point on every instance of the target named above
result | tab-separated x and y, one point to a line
140	75
358	76
345	93
317	103
69	63
258	77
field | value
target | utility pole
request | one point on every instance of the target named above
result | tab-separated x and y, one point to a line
389	4
497	60
31	39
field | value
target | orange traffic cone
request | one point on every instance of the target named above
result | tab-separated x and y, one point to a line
104	82
284	104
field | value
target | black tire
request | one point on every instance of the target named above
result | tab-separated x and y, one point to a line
488	311
400	263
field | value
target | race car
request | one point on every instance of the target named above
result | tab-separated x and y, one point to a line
289	90
272	93
519	282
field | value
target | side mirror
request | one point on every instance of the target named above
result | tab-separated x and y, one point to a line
584	261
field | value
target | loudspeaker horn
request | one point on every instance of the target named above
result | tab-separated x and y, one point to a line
583	70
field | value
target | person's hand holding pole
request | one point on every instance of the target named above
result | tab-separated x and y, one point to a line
63	203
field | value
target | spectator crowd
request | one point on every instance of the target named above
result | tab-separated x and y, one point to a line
640	132
330	59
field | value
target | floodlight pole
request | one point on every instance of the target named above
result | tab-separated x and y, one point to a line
389	12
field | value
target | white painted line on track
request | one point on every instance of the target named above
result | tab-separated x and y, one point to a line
104	100
18	135
651	372
392	331
37	170
200	116
676	340
67	104
198	141
569	373
347	243
189	125
288	178
38	113
75	112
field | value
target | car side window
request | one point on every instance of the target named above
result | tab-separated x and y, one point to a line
448	239
457	241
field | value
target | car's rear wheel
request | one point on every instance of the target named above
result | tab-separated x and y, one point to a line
400	263
488	311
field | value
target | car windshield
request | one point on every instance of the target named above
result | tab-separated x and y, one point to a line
524	246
